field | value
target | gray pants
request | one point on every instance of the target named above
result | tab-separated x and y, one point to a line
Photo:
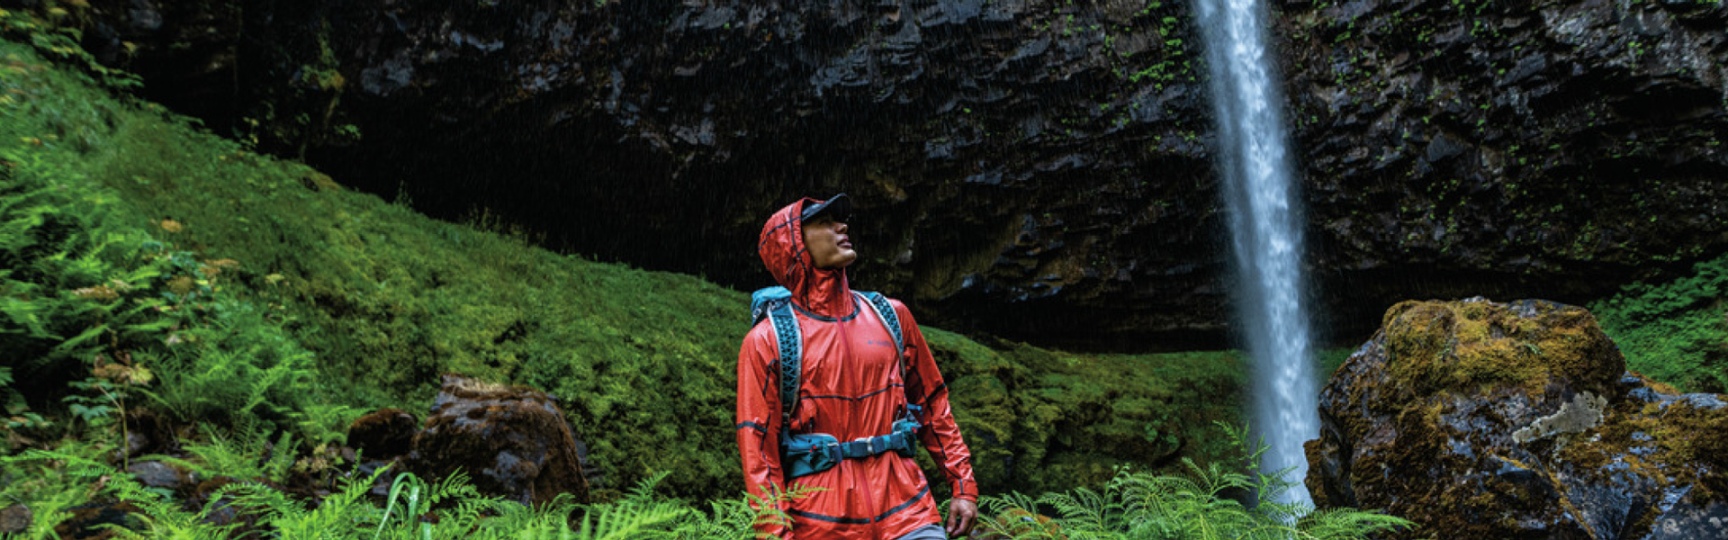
928	532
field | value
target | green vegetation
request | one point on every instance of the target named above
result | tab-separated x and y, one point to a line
222	265
1675	332
1197	505
414	508
1200	505
150	268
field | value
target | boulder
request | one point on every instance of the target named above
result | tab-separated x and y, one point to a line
1479	419
512	441
382	434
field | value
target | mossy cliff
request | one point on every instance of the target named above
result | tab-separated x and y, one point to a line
379	300
1491	420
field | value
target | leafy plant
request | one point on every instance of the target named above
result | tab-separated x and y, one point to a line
50	486
75	288
1198	505
1675	332
234	366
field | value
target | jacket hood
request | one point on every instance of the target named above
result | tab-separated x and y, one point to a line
819	291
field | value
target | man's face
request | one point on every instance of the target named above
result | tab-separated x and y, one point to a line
828	243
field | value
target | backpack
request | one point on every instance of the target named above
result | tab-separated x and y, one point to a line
809	453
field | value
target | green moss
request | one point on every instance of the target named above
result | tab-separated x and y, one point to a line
1436	346
1675	331
1680	441
1038	419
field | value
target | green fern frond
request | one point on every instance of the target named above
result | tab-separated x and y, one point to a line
628	520
1349	523
644	490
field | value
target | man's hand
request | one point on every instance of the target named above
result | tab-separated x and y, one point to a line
962	515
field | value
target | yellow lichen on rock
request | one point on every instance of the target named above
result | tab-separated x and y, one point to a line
1460	345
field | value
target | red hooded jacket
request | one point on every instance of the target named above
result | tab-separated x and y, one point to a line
853	387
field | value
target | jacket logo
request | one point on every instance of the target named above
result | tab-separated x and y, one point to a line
879	342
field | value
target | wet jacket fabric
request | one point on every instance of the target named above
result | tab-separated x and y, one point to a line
853	386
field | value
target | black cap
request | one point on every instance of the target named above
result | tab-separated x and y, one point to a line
839	207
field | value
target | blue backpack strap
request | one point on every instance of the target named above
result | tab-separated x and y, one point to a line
885	313
891	319
775	304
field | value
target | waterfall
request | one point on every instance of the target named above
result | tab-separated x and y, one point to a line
1266	230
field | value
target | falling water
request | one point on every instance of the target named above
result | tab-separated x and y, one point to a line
1266	230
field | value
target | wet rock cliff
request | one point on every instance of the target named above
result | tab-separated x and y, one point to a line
1036	169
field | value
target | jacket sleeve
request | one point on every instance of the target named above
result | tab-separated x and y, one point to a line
758	420
925	388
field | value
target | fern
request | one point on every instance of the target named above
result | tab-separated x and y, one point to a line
342	515
237	367
49	483
1192	506
161	516
410	498
726	519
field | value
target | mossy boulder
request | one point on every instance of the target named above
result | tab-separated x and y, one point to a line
1479	419
512	441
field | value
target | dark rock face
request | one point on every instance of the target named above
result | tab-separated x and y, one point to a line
1488	420
511	441
1034	168
383	434
1507	148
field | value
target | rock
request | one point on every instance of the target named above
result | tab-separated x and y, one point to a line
96	521
224	511
511	441
149	433
1516	420
383	434
15	519
157	474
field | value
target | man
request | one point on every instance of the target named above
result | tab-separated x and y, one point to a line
854	384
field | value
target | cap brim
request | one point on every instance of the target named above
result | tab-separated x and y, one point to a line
839	207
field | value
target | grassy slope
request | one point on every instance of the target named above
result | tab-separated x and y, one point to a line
387	299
